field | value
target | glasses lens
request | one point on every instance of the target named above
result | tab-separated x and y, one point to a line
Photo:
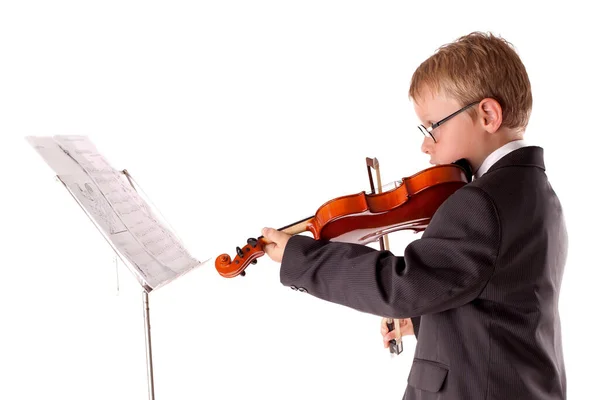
425	132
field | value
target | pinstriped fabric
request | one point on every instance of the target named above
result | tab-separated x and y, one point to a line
481	285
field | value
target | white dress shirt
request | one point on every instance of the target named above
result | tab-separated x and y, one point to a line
497	155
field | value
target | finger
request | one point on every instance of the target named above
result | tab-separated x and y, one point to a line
386	343
385	331
273	235
390	336
384	326
269	248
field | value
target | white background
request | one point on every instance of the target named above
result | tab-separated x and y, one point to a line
233	116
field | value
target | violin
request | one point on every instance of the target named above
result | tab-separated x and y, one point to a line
364	218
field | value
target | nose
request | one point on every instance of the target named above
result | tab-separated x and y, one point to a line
426	145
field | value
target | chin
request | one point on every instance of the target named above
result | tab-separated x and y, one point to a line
444	161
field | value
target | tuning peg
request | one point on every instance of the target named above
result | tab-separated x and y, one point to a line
252	242
239	251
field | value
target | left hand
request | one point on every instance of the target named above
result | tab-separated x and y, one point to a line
278	241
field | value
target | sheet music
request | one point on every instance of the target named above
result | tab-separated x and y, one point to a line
125	218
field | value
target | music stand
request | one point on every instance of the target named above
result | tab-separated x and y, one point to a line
126	221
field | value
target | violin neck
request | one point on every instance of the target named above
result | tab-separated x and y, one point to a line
296	227
292	229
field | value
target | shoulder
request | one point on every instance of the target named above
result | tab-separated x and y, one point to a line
469	200
465	231
469	209
513	187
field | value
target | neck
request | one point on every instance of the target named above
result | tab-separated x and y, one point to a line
494	142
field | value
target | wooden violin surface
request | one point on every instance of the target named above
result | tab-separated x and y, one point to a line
363	218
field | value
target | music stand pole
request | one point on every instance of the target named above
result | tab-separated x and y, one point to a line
148	345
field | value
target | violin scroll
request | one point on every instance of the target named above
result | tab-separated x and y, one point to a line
254	249
246	255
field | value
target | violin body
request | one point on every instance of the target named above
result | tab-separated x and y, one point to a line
363	218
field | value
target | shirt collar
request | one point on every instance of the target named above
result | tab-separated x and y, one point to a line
497	155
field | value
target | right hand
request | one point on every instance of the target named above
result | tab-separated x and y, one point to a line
402	327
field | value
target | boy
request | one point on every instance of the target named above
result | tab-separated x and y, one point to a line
482	283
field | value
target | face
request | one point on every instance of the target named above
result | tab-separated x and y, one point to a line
457	138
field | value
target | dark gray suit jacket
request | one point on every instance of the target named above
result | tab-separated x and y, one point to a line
481	284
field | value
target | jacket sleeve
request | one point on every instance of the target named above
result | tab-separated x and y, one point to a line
448	266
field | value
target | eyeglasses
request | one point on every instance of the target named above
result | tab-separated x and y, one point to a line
427	131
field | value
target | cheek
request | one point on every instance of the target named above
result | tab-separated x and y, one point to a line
453	146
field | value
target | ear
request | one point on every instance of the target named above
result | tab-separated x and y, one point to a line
490	113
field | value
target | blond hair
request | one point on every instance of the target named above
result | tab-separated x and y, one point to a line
478	66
